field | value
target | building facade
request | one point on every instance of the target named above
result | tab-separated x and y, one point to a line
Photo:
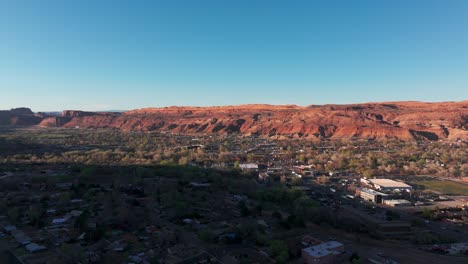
372	195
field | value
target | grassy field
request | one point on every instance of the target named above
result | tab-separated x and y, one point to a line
445	187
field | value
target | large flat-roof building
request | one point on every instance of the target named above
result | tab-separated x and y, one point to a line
248	166
390	185
323	253
397	202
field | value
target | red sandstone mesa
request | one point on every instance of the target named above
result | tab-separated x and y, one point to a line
392	120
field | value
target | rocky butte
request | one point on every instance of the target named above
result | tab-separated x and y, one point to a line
392	120
19	116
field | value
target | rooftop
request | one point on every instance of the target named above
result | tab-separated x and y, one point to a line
397	201
248	166
387	183
373	192
324	249
33	247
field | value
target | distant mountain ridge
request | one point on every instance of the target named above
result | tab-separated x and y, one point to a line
19	116
385	120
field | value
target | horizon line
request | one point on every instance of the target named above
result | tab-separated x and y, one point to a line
238	105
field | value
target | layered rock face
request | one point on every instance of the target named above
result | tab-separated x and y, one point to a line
393	120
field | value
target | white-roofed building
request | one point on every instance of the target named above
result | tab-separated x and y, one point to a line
323	253
248	166
33	248
390	185
397	202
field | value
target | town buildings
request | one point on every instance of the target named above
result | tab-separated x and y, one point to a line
371	195
390	185
248	166
323	253
397	202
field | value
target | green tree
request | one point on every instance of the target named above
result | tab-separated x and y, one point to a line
280	251
355	258
81	221
36	214
207	236
14	213
73	253
244	209
303	207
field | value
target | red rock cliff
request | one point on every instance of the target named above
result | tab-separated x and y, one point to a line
398	120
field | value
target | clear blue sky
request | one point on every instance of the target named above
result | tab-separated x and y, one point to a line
98	55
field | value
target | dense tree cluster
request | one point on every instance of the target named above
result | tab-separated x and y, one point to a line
371	158
106	147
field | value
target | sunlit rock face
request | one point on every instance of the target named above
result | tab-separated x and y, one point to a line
393	120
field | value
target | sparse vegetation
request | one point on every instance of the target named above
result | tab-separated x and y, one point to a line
445	187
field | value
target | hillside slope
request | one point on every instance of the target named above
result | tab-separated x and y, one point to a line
397	120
